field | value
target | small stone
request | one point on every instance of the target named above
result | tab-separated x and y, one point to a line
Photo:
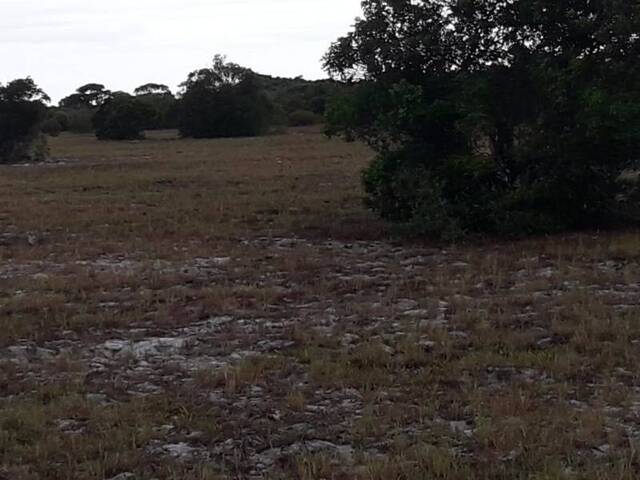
458	334
99	398
406	304
124	476
427	345
417	313
220	261
545	342
179	450
459	264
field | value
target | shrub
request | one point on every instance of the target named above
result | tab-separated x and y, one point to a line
303	118
22	110
79	119
51	126
164	105
122	117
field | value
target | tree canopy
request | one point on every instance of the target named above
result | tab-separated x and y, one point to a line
508	116
225	100
152	89
91	95
122	117
22	109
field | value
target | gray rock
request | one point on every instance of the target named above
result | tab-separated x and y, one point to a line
406	304
417	313
146	348
124	476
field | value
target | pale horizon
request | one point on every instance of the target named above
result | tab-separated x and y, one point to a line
64	44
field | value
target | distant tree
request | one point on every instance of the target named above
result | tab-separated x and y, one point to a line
81	106
152	89
22	110
162	101
91	95
225	100
51	126
122	117
493	116
303	118
79	119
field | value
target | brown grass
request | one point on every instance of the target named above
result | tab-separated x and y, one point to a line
312	331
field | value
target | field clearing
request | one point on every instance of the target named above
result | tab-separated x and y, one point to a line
213	309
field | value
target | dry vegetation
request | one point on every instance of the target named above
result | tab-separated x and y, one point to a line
180	309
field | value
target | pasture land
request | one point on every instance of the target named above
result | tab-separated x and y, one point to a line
196	309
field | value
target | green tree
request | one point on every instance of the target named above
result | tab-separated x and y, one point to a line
91	95
122	117
81	106
22	110
164	104
507	116
225	100
152	89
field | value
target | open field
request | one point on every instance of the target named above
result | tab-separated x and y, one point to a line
182	309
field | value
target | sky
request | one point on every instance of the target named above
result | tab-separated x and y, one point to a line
122	44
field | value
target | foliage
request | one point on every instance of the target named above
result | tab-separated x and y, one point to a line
80	107
295	94
79	119
152	89
493	116
51	127
122	117
56	122
91	95
303	118
22	110
225	100
164	105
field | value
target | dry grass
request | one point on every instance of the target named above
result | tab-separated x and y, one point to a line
181	309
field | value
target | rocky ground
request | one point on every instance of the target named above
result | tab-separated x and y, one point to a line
304	356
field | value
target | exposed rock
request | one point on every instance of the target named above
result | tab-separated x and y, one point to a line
145	348
124	476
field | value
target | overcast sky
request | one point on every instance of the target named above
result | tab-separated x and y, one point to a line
63	44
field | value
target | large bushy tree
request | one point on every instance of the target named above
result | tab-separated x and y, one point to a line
91	95
225	100
80	107
22	110
122	117
507	116
163	103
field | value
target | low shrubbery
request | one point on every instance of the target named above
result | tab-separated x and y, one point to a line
303	118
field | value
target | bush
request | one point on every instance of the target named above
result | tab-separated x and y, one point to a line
224	101
22	110
79	119
303	118
526	134
164	105
51	127
122	117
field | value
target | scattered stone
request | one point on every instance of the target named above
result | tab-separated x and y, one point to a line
145	348
417	313
406	304
124	476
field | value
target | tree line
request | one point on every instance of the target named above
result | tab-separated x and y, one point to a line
223	100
